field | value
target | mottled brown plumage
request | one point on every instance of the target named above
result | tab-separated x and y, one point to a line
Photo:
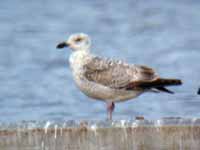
110	80
116	74
120	75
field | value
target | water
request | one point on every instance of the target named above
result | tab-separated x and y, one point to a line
36	83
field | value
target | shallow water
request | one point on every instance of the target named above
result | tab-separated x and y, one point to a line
36	83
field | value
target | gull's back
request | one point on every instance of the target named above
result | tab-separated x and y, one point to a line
116	74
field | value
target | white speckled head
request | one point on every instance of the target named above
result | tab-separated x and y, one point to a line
78	41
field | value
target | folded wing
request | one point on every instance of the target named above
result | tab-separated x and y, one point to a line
116	74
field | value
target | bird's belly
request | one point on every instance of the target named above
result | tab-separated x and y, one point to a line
100	92
127	95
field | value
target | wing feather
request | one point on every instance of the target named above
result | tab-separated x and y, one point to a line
116	74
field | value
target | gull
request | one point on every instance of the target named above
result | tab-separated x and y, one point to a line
110	80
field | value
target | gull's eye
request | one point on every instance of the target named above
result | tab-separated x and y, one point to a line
78	40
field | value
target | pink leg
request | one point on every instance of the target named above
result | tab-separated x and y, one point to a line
110	108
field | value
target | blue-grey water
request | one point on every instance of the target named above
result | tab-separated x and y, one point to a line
35	80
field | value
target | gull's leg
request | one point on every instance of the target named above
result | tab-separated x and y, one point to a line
110	108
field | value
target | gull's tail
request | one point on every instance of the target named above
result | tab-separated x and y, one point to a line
158	84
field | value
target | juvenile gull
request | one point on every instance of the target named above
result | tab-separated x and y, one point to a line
110	80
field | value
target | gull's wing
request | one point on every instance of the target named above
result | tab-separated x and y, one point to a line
116	74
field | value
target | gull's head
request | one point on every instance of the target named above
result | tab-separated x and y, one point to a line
77	42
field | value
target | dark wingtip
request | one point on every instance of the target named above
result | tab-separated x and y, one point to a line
176	82
179	82
62	45
163	89
198	92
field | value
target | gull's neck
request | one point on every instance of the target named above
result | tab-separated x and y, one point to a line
79	58
81	53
